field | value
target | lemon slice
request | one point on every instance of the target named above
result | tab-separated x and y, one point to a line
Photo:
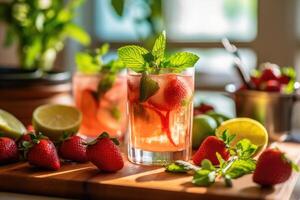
245	128
10	126
54	120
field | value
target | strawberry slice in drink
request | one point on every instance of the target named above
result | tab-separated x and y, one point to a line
165	127
174	90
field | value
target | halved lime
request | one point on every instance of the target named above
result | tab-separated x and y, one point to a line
10	126
54	120
245	128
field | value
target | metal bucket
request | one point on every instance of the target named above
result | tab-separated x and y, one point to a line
273	110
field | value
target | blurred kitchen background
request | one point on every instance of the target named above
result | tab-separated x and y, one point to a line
265	30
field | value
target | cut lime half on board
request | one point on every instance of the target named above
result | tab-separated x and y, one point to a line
54	120
10	126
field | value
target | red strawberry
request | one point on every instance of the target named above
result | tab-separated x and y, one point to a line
256	81
172	93
208	149
74	149
268	74
175	92
271	86
203	108
272	168
284	79
105	154
8	150
41	152
30	128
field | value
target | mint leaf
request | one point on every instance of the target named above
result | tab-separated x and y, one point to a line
206	164
159	47
240	167
182	60
148	87
87	63
245	149
102	50
133	57
105	84
115	113
175	168
187	165
227	138
204	177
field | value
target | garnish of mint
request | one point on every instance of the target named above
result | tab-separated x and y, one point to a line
239	164
148	87
155	61
91	62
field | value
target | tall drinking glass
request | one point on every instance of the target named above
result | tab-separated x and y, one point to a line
160	127
104	113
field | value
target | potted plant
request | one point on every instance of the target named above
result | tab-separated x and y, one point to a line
40	28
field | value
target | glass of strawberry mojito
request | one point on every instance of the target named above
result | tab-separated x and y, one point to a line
160	102
100	93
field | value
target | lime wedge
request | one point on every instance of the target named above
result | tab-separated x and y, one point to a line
10	126
54	120
245	128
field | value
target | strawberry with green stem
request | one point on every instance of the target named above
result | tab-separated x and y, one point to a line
41	152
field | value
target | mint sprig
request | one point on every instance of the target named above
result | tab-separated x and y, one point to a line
91	62
239	164
140	59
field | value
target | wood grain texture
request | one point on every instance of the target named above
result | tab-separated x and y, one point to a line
135	182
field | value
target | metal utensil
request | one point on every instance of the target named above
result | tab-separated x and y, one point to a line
238	63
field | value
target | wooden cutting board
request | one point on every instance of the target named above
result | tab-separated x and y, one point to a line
135	182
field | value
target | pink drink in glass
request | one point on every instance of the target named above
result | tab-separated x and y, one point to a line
107	113
160	127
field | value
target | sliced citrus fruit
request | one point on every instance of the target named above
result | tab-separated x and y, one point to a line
53	120
245	128
10	126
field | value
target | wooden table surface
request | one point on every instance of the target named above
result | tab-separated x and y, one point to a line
134	182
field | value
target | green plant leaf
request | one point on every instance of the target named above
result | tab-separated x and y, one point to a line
206	164
32	53
77	33
245	149
241	167
118	6
182	60
148	87
86	64
103	49
204	177
9	36
133	57
105	84
175	168
159	47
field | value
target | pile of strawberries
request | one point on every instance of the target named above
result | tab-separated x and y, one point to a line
273	167
270	78
41	152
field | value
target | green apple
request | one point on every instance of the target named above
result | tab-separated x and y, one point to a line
203	126
218	117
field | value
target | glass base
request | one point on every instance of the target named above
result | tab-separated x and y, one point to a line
139	156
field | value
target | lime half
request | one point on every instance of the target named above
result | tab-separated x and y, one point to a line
10	126
54	120
246	128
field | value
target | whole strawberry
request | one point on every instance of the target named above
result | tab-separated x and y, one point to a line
41	152
73	148
8	150
105	154
208	149
273	167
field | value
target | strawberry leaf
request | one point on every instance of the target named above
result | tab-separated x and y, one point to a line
148	87
115	140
